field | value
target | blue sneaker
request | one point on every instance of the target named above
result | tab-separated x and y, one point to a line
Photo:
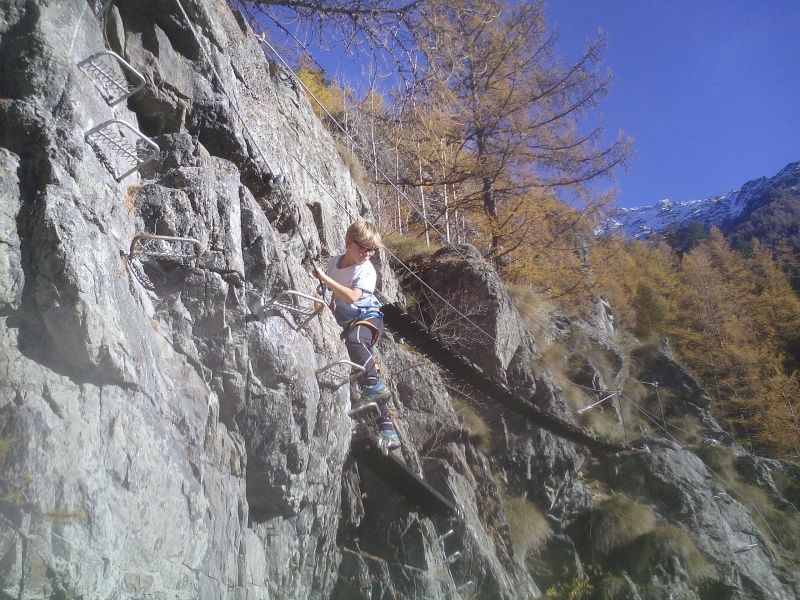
377	392
388	440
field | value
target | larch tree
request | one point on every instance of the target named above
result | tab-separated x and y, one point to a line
514	108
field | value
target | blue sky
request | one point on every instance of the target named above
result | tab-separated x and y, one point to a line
709	90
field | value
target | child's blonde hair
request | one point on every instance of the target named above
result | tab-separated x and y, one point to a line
364	233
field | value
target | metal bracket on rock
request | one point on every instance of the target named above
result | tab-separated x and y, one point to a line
461	514
178	249
336	374
120	147
101	68
296	303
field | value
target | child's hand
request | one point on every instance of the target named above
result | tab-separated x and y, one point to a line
318	273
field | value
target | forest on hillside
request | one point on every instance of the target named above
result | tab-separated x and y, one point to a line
468	127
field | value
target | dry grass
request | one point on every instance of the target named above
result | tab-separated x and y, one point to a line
407	246
659	547
357	171
535	309
130	199
63	515
529	527
773	521
554	356
617	522
5	448
479	430
604	425
689	430
718	458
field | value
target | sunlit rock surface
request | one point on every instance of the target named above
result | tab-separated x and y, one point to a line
160	437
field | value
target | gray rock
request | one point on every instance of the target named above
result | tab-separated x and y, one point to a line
173	442
685	491
12	277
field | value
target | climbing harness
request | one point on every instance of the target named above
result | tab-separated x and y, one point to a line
376	333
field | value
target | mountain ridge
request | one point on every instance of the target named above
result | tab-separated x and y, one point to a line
725	211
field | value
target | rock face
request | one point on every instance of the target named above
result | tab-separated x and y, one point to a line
162	431
174	441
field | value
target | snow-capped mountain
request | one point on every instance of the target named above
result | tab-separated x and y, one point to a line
723	211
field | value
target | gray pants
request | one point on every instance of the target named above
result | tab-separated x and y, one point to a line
359	340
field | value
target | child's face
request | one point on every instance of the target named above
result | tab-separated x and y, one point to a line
358	253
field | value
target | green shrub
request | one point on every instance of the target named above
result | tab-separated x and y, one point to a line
529	527
659	547
617	522
577	589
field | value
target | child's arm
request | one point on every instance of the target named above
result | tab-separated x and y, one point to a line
349	295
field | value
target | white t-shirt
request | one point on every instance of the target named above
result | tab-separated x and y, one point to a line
361	276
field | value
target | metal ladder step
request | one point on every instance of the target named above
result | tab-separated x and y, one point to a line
111	74
121	148
338	373
182	250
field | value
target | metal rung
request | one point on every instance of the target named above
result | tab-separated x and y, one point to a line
121	148
446	535
184	250
337	374
453	557
103	69
289	300
465	586
746	548
591	406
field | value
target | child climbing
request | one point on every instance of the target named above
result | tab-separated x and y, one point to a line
352	278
